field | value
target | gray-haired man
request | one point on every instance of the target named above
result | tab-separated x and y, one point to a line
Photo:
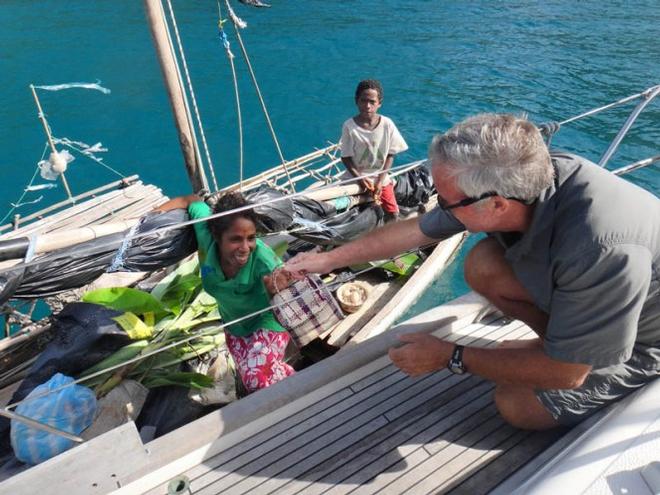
572	250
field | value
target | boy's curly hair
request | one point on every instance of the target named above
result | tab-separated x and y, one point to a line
226	202
369	84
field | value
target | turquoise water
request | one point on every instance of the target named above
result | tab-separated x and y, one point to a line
438	61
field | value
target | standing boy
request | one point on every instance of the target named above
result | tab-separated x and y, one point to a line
369	142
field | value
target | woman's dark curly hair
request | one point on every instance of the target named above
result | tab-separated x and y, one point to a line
226	202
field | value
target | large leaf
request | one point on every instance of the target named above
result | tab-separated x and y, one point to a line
201	305
134	326
179	287
126	299
118	357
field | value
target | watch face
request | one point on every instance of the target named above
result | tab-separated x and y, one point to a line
456	368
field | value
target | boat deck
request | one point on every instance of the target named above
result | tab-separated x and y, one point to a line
381	432
351	423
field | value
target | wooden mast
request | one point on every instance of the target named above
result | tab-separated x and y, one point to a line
175	90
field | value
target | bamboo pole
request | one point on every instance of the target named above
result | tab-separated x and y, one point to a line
123	183
51	144
177	97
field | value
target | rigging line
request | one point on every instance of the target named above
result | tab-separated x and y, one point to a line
215	330
230	56
187	223
25	190
643	94
237	22
70	144
192	94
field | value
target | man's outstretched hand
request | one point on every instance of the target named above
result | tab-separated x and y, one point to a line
310	262
421	353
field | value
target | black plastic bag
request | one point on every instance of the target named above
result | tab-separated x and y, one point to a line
414	188
344	227
78	265
275	216
311	209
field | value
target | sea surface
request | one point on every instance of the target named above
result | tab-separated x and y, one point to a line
438	61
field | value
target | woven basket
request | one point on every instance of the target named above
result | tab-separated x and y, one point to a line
352	295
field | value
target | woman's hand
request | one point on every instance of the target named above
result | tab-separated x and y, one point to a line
280	279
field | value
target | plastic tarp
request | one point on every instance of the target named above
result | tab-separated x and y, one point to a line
79	265
414	188
342	228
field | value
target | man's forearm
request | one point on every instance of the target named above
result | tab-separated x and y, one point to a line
525	366
385	242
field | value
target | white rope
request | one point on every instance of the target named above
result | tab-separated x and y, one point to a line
25	190
230	56
237	22
87	151
192	95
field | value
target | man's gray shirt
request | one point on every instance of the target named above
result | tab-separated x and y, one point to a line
591	260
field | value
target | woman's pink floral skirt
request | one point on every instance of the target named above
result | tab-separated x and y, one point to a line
259	357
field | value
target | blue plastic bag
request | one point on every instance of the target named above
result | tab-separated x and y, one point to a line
70	409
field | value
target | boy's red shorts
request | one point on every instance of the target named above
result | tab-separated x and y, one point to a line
388	199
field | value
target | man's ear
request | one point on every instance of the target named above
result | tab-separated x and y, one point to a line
500	204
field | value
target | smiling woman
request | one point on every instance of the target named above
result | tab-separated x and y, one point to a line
237	270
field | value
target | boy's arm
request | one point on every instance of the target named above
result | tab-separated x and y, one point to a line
386	167
350	166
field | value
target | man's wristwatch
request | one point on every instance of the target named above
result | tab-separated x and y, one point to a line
455	364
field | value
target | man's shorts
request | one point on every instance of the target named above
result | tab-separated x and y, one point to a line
602	387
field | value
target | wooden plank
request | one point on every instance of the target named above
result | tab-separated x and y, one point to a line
411	290
366	457
387	469
485	399
442	451
351	413
513	458
301	461
380	294
107	211
450	473
478	331
268	440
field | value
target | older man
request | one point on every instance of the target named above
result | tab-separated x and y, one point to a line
572	250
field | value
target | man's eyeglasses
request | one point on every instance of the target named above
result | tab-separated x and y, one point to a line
471	201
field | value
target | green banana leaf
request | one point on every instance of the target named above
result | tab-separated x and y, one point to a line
404	265
127	300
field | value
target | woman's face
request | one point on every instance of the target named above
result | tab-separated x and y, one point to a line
237	243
